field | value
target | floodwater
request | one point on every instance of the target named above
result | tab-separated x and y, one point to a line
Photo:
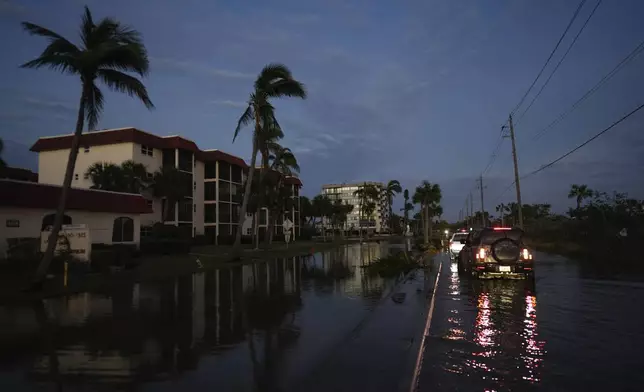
268	326
576	329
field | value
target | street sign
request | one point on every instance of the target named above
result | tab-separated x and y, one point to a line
75	238
287	225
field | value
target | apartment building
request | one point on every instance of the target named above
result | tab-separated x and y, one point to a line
212	178
345	192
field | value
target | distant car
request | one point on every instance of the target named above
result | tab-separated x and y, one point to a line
455	244
496	252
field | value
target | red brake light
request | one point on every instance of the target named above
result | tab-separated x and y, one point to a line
480	255
502	228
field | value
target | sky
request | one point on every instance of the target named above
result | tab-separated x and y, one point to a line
408	90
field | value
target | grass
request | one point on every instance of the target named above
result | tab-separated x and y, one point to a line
391	265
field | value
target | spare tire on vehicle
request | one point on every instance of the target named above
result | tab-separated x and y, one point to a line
506	250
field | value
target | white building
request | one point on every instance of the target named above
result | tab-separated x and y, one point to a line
26	208
213	178
345	192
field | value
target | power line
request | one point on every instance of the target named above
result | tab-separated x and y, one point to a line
630	57
560	60
587	141
550	57
551	163
495	153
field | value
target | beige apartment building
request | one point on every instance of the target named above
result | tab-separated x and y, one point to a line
379	222
213	178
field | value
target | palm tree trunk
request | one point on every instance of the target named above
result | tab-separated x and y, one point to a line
423	214
429	225
255	231
578	202
244	206
43	267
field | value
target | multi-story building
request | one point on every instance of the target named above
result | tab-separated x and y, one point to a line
213	178
345	193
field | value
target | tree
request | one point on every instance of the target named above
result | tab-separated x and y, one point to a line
428	196
306	210
129	177
169	183
3	164
339	215
321	206
406	208
366	193
392	188
274	81
580	193
282	164
109	50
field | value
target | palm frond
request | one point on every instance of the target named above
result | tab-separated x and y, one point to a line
93	106
87	27
61	63
124	83
130	57
286	88
34	29
245	119
270	73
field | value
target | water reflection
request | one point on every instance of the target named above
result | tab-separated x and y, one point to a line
251	327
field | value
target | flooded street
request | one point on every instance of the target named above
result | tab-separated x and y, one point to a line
268	326
574	329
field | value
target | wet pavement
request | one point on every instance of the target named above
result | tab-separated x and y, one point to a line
302	323
576	328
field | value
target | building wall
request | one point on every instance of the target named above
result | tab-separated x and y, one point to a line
100	224
344	192
198	198
52	164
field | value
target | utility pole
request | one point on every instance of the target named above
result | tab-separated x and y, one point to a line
483	220
516	174
472	208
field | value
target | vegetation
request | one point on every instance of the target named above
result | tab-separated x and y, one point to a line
274	81
170	184
428	196
109	50
391	190
129	177
406	208
321	207
580	193
368	195
391	265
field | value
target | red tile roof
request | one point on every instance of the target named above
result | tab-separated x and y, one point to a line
293	181
22	194
133	135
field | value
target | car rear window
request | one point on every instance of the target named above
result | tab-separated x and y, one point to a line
489	237
459	236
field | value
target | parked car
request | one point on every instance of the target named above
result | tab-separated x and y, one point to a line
455	244
496	252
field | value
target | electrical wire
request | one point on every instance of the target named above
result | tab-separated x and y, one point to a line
560	61
630	57
550	57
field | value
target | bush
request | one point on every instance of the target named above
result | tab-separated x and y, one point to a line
165	246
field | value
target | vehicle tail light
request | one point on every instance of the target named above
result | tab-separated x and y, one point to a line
501	228
480	255
526	255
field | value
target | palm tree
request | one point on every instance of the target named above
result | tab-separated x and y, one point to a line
3	164
306	212
134	176
274	81
366	193
105	176
322	206
339	214
502	208
393	187
284	163
580	192
428	196
168	183
108	50
406	208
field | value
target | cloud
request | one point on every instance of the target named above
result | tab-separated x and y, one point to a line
56	106
227	102
10	7
195	67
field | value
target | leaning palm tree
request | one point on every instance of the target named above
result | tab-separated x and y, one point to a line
274	81
392	188
283	163
366	193
108	50
579	193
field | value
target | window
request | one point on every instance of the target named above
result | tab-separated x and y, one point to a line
224	191
48	220
149	175
248	231
147	150
224	213
224	171
85	176
150	204
76	177
185	210
146	231
210	191
210	170
123	230
210	213
86	150
236	174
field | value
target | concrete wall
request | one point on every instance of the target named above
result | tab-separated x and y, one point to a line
100	224
52	164
198	198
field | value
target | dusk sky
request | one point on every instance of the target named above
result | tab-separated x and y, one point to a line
409	90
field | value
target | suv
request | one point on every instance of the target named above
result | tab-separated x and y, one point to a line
496	252
455	244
